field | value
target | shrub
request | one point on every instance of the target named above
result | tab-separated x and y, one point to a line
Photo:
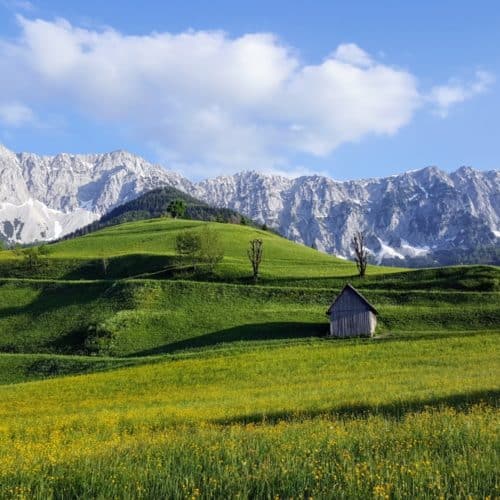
211	250
99	340
188	245
202	248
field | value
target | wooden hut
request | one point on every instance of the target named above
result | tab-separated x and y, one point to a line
351	315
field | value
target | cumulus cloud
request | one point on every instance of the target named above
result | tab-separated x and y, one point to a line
209	103
14	115
350	53
446	96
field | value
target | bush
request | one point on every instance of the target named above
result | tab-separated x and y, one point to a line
188	245
211	250
202	248
99	341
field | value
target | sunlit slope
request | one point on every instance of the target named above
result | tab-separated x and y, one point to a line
148	246
305	377
351	418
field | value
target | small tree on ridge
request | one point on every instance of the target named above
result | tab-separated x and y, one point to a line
254	253
360	253
177	208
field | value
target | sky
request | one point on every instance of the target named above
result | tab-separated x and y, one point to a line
344	89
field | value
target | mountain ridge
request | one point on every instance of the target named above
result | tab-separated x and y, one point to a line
407	217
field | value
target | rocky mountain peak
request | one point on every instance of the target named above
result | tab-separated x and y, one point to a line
411	215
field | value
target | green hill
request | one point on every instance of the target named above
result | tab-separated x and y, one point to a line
165	312
210	386
154	204
137	249
149	246
151	317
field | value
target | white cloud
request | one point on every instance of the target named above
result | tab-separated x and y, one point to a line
350	53
209	103
445	96
14	114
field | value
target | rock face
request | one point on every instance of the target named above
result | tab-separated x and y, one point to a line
43	198
407	216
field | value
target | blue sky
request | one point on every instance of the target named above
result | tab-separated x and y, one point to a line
347	89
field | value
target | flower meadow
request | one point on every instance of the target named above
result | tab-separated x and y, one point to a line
420	420
434	453
117	382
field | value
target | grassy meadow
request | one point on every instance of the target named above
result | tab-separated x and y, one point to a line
146	383
420	418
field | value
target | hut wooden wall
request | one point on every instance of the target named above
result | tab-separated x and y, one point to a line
353	324
350	316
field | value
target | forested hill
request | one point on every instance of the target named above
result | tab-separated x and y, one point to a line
154	204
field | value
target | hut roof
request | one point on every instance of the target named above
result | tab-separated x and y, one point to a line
350	287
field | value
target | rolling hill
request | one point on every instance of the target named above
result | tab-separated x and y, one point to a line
147	303
424	217
149	381
154	204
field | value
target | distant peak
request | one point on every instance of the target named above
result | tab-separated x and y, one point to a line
6	151
466	169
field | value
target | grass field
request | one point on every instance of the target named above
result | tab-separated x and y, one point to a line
207	386
148	246
418	418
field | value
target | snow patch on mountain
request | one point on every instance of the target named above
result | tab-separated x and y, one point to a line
46	197
403	216
406	216
33	221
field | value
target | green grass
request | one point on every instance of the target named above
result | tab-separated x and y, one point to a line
154	317
350	419
15	368
148	246
217	388
258	382
146	249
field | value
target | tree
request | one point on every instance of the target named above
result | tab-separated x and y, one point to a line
188	245
360	253
211	250
30	256
177	208
201	248
255	252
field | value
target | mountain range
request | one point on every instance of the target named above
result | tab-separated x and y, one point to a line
423	216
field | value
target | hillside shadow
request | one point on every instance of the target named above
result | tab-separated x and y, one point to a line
54	299
250	332
396	411
123	267
70	342
452	278
55	296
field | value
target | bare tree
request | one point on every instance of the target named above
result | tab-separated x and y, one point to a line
254	253
360	253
